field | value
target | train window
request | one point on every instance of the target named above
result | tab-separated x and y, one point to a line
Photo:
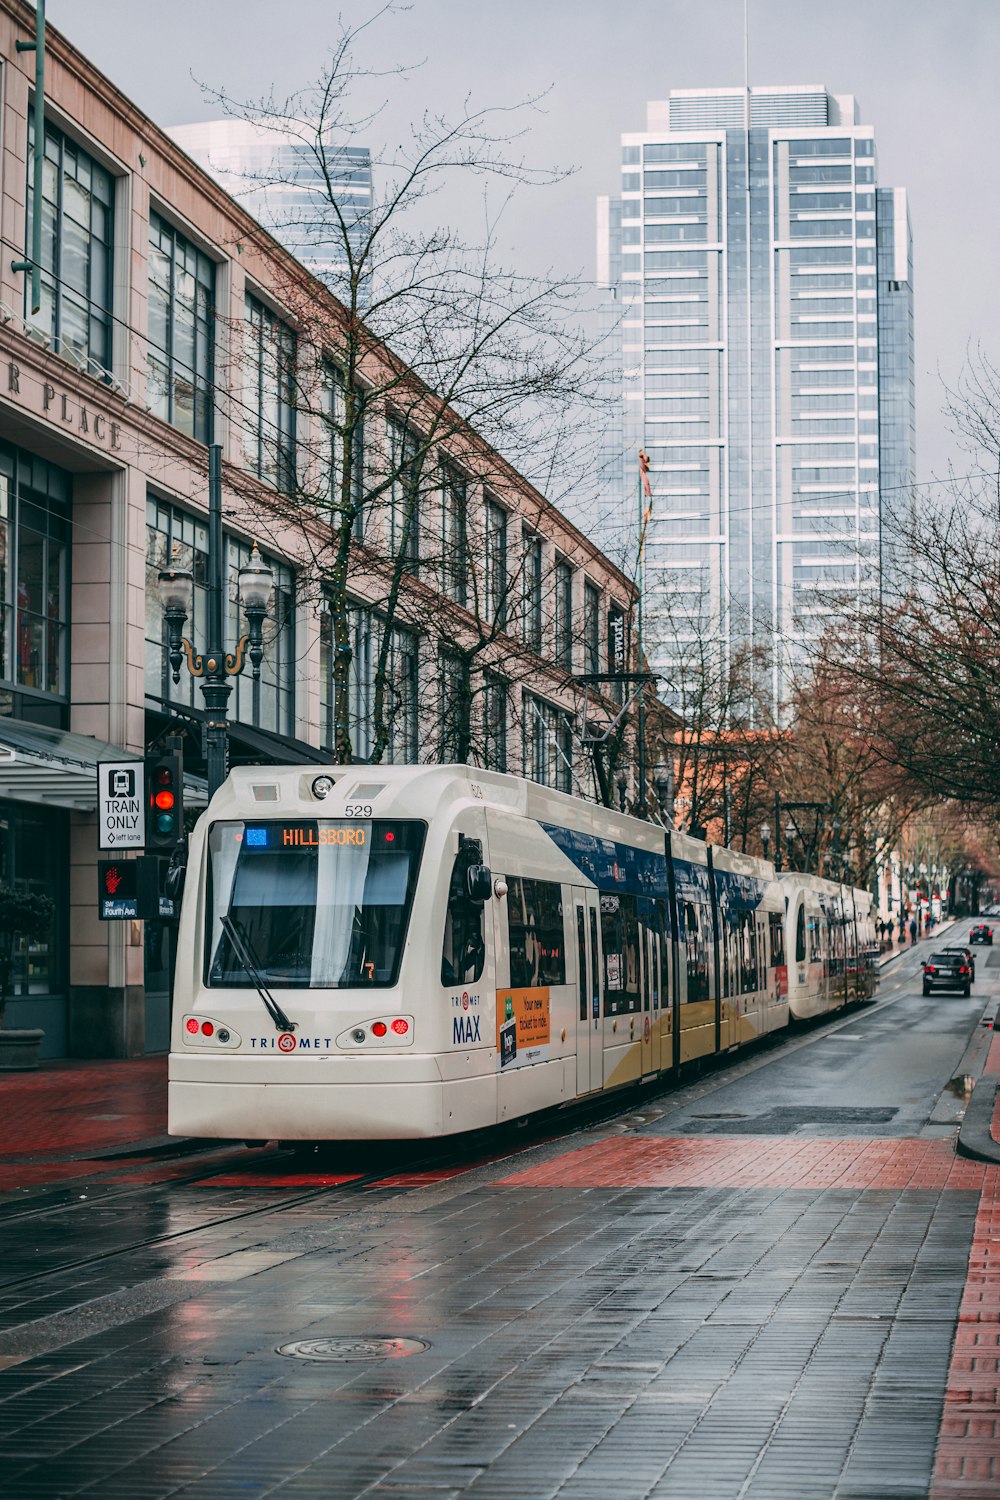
665	946
747	950
463	952
535	931
777	929
620	934
800	936
320	904
695	929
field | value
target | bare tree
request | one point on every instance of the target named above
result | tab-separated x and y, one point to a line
431	355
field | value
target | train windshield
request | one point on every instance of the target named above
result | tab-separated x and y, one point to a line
317	904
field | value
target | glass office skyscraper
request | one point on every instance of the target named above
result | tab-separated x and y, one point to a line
278	180
762	290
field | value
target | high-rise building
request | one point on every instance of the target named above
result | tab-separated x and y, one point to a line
279	180
760	280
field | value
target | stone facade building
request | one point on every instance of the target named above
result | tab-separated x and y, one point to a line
108	398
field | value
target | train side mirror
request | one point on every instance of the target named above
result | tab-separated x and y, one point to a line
479	884
173	881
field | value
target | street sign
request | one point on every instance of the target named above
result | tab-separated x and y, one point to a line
121	804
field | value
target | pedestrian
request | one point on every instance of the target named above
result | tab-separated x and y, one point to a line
913	930
892	930
881	935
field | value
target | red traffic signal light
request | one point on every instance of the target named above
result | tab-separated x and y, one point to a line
164	802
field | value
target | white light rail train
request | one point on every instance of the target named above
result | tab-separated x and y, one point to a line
415	951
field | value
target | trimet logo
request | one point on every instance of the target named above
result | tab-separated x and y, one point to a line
286	1042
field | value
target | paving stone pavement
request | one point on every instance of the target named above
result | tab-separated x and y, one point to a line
716	1298
710	1341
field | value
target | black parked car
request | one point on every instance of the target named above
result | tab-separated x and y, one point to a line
981	933
947	971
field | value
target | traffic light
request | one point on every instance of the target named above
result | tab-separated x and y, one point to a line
164	802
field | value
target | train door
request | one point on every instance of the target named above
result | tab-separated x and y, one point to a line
589	1030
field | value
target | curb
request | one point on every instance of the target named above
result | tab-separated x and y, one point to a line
975	1134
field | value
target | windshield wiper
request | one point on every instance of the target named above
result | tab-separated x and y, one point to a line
243	949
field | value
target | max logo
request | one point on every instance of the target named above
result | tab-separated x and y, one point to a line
464	1029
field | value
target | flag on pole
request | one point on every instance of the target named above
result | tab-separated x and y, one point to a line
644	474
648	493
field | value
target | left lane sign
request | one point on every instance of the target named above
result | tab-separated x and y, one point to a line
121	822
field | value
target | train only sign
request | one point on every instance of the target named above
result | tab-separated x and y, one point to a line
121	804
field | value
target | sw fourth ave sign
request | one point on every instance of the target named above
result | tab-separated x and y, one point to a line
121	804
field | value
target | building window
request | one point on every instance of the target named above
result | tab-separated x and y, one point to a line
269	396
404	493
278	668
495	694
34	583
180	347
401	702
495	574
334	414
360	684
591	628
176	539
548	744
34	857
564	614
77	246
454	707
454	534
531	590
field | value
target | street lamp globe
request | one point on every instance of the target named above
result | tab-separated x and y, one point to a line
256	581
765	836
176	587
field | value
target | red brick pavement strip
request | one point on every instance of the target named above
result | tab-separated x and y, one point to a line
968	1453
79	1107
757	1161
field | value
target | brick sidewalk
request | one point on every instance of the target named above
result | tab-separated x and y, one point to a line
56	1121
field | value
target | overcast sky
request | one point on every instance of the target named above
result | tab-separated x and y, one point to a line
923	71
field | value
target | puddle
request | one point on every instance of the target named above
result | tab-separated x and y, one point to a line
961	1086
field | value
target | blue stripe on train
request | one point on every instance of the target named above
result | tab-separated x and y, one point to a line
611	865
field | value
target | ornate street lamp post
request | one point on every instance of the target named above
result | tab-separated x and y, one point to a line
765	837
215	666
663	781
790	834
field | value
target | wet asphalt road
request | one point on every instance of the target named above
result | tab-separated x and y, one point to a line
590	1331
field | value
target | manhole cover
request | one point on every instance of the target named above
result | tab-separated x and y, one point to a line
373	1346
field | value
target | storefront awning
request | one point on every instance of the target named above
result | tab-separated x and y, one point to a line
248	745
54	768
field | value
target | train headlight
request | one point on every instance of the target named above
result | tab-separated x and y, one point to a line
322	786
358	1035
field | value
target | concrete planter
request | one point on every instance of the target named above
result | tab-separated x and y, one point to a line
19	1048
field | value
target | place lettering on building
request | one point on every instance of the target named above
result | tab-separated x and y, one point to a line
60	406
